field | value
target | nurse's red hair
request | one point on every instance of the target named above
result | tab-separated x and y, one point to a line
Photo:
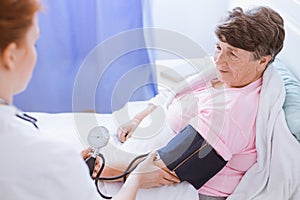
16	17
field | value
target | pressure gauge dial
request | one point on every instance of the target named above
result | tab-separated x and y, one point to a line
98	137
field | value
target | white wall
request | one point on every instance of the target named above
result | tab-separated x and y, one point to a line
193	18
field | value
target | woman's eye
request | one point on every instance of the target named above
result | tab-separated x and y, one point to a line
233	54
218	47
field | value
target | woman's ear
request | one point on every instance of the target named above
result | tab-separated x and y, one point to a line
263	63
9	56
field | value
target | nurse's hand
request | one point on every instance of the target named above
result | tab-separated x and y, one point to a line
125	130
87	153
148	174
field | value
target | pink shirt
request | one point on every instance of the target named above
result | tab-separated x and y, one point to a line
226	118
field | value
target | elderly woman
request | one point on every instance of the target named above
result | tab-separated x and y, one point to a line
33	166
223	112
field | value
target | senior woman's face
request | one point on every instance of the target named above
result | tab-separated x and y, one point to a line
236	67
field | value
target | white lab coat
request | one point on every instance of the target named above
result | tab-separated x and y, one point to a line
35	167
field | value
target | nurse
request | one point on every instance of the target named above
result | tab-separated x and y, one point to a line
33	166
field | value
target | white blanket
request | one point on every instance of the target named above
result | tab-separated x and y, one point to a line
276	175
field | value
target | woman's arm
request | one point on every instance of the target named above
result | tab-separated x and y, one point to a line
125	131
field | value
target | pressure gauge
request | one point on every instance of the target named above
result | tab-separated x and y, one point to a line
98	137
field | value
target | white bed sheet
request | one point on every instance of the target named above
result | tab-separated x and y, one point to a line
74	127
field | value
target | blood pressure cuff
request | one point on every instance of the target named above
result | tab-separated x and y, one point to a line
191	157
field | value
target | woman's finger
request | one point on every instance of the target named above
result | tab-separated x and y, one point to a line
122	134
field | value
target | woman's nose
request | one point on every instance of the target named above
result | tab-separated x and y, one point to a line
219	58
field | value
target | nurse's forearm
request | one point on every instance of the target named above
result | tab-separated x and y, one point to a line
129	189
117	161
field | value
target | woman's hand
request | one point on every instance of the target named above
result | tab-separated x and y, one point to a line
125	131
87	153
